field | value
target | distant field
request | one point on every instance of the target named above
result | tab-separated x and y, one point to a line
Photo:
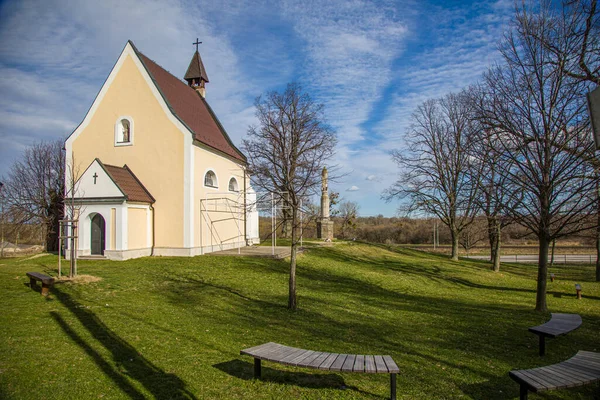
172	328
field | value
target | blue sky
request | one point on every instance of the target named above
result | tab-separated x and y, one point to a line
370	62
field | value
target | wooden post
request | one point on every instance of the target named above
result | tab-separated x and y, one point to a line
257	368
393	386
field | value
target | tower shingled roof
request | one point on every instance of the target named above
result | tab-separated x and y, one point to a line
196	69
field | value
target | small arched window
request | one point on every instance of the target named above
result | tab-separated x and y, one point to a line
124	131
210	179
233	185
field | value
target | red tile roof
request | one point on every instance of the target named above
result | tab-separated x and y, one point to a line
128	183
191	109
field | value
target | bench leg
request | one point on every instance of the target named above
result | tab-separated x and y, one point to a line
257	368
523	392
542	345
393	386
32	283
45	289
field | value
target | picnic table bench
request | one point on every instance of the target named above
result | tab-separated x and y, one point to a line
46	280
582	369
559	324
286	355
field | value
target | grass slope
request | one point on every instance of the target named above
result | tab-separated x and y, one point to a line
173	327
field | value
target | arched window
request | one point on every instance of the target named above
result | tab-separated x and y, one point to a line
233	185
210	179
124	131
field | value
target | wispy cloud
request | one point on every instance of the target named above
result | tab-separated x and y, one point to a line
352	189
369	62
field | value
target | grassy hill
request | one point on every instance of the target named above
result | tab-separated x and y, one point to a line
173	327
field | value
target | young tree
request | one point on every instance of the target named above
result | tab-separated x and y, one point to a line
347	214
35	187
286	153
537	116
436	171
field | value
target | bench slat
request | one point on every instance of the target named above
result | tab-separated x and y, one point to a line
329	361
337	364
294	356
572	374
349	363
525	379
579	366
359	364
370	365
274	351
380	364
391	365
319	360
308	360
558	378
541	380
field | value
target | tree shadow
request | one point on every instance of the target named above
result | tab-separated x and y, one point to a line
127	363
245	370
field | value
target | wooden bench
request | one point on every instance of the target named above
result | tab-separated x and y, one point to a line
580	370
46	280
559	324
325	361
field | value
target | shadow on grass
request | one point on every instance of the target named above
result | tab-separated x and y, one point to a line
245	370
127	364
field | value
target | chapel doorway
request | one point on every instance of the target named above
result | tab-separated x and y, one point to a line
98	239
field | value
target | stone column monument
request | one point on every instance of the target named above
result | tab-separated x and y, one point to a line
324	224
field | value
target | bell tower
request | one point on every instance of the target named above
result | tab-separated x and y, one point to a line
195	75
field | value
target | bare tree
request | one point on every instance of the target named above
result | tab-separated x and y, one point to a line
495	193
436	170
287	152
571	34
574	42
34	188
347	214
537	115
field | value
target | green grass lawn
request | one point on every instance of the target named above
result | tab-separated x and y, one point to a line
173	327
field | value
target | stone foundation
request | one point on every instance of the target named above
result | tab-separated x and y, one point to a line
325	230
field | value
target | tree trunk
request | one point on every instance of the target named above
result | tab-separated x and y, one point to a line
598	239
496	259
292	303
493	227
540	301
454	235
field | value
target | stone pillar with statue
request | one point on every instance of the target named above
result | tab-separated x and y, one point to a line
324	224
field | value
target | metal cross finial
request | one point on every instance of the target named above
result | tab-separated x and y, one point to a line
197	43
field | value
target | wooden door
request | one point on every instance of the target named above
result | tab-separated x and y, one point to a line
98	239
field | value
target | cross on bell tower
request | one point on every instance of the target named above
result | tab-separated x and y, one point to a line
196	75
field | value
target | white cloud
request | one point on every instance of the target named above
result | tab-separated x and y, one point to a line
353	189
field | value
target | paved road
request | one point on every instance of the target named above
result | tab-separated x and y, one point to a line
533	258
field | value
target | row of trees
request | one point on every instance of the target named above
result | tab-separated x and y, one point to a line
516	147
